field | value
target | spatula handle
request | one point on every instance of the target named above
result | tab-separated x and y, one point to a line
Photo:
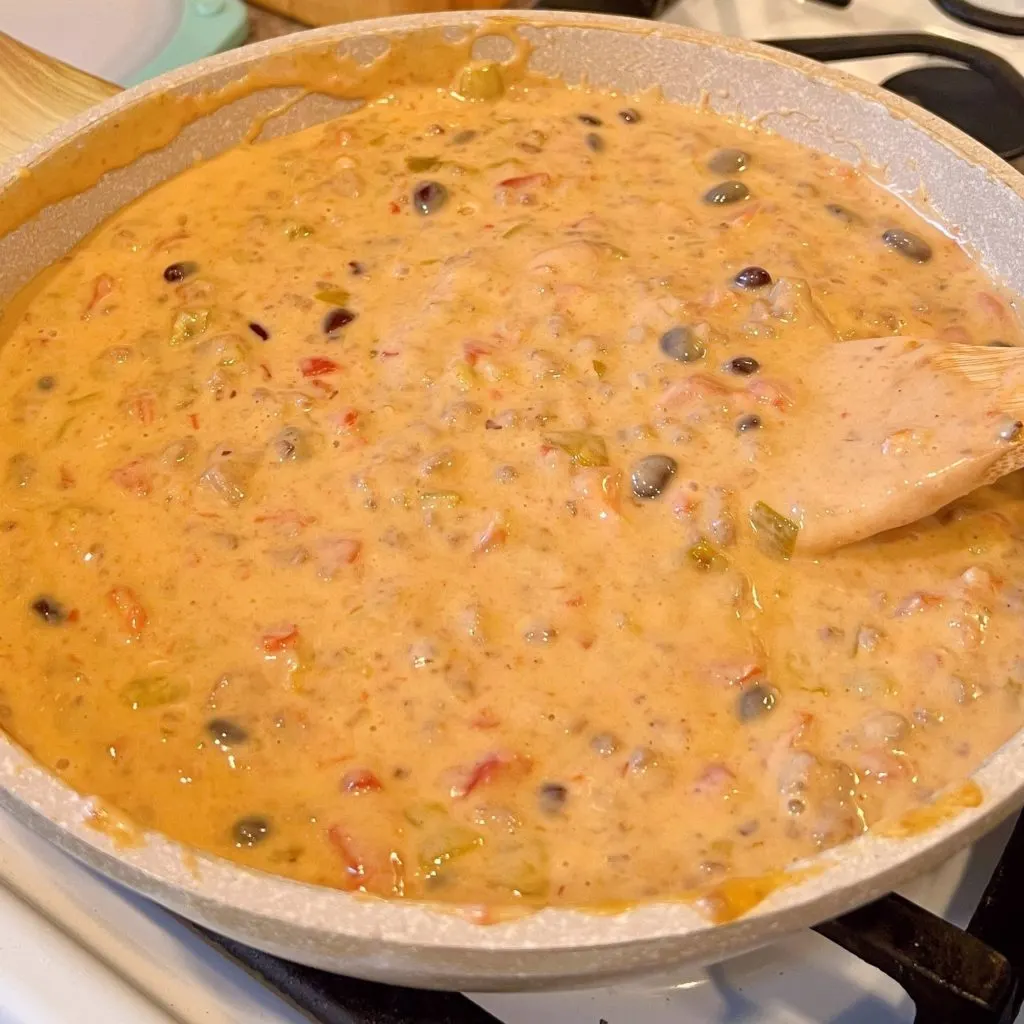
38	92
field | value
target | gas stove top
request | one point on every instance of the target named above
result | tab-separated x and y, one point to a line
76	949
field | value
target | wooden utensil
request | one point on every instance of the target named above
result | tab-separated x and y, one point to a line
38	92
889	430
328	12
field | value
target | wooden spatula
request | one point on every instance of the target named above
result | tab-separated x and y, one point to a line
38	92
889	430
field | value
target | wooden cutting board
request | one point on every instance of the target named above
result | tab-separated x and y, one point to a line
327	12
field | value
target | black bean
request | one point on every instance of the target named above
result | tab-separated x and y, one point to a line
461	138
335	319
594	142
749	422
250	830
630	115
356	268
907	244
842	213
729	161
1011	430
179	271
743	365
756	700
429	196
679	343
592	119
259	330
651	474
46	383
726	192
50	611
752	277
225	732
552	797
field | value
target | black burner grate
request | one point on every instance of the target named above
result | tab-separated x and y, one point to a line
953	976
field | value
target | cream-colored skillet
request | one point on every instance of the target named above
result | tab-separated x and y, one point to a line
155	130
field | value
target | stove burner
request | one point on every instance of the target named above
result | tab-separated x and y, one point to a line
983	97
968	99
981	17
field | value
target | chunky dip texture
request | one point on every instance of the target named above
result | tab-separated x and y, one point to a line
380	507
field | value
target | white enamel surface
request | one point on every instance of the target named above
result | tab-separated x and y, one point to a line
415	944
111	39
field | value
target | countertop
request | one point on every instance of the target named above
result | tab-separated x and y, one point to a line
264	25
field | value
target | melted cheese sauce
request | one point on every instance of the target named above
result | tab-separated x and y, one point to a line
377	509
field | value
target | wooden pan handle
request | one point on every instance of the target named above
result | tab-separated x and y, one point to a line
38	92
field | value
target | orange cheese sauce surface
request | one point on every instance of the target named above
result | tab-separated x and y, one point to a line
371	508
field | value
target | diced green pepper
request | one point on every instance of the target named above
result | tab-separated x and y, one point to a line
332	296
480	82
584	449
442	840
600	368
153	691
706	557
775	534
422	163
519	866
293	231
189	324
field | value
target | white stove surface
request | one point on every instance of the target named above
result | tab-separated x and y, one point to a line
76	949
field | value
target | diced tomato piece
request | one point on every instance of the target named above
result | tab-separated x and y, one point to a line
283	638
485	718
916	602
288	522
486	770
142	407
126	603
360	780
317	366
135	476
101	288
526	180
472	352
715	780
697	388
772	392
351	859
367	866
494	535
334	553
